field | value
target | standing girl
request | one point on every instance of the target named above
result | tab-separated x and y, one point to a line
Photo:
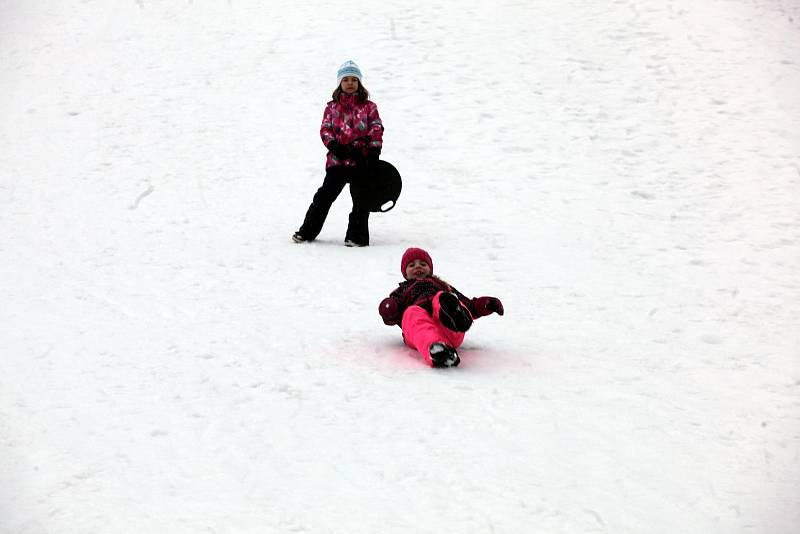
353	134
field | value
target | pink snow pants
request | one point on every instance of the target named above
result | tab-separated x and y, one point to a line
420	330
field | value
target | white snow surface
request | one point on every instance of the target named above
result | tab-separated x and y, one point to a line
623	175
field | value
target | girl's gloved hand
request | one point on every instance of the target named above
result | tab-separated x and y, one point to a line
389	311
339	150
372	156
488	305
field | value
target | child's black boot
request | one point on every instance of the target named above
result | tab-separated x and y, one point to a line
443	355
452	314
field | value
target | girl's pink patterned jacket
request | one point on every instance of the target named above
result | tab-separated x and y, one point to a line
351	123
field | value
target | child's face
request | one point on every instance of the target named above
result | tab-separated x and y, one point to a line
417	269
349	84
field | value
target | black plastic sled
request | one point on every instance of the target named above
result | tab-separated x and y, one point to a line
382	187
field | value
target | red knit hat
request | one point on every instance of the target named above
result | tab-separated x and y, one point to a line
412	254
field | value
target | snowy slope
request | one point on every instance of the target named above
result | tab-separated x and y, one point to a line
623	175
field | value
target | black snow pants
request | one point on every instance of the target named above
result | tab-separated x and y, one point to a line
336	178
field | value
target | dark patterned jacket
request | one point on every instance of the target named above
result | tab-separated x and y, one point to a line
418	293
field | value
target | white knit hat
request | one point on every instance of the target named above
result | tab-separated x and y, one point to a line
348	68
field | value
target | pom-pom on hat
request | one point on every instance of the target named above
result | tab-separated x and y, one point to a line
348	68
412	254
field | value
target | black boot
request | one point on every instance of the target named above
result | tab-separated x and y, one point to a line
452	314
443	355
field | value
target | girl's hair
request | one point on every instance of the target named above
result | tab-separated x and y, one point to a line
362	95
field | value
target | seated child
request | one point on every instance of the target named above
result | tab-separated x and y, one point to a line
432	314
